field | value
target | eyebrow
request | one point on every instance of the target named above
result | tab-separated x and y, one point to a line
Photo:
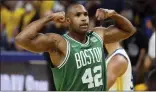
81	12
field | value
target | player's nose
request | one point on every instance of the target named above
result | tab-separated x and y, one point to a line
83	19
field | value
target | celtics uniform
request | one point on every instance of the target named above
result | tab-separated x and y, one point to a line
83	67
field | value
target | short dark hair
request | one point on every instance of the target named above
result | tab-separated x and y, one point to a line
68	9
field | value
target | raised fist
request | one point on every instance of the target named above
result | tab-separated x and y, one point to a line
102	14
58	17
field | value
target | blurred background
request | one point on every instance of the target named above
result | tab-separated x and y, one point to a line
23	70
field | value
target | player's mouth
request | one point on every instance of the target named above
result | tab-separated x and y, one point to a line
84	26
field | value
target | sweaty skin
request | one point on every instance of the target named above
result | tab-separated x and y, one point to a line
77	20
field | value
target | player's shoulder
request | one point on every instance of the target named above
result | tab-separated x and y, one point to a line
99	31
119	61
57	39
120	58
120	52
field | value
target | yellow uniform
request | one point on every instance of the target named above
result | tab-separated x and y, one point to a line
28	17
124	82
11	20
46	6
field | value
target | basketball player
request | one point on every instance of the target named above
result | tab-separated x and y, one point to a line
78	56
119	71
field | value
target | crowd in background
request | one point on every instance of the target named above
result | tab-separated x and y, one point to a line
15	15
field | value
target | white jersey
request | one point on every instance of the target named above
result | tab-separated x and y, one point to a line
124	82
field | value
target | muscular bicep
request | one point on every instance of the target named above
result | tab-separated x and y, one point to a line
114	34
111	34
43	42
115	68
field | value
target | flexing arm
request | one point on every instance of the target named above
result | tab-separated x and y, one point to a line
30	38
120	31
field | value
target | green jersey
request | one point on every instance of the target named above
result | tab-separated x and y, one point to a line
84	66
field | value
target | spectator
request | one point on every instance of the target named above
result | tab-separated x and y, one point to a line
10	19
136	47
62	5
151	49
148	30
46	6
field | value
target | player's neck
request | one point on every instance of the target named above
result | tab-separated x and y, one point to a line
78	37
112	47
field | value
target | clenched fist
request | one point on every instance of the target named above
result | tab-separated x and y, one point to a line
59	17
102	14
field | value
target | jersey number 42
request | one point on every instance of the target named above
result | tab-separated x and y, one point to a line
93	81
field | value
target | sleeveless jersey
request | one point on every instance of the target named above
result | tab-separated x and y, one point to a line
83	68
124	82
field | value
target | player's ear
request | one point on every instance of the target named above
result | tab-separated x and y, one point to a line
66	23
67	20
